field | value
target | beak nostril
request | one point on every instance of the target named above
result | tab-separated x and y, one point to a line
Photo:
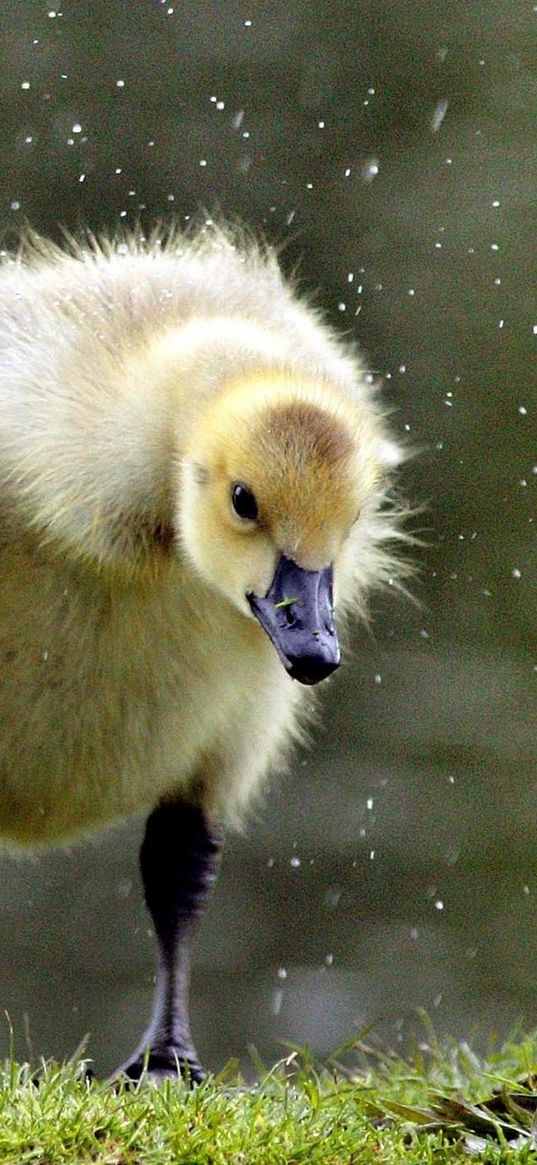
289	616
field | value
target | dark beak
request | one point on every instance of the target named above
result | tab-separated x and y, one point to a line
298	615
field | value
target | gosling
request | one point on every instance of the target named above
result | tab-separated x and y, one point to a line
194	475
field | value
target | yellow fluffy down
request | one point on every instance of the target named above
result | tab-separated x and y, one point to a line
139	382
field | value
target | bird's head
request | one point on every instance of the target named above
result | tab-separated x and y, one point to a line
276	473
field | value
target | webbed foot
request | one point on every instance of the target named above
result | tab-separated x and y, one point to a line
160	1064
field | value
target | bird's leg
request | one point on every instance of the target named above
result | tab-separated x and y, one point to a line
178	860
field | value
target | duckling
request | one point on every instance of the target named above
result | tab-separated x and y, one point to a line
194	473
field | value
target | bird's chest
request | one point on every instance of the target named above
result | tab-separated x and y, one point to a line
106	701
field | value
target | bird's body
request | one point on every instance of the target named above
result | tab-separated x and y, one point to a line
106	704
179	435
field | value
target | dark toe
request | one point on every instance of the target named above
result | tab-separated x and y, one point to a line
159	1066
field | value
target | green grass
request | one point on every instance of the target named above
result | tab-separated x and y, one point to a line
386	1112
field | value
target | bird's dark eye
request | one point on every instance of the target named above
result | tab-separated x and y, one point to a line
244	502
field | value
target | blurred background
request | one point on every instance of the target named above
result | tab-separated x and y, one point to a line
392	149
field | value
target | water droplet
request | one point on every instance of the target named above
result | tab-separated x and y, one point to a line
439	115
370	169
276	1001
